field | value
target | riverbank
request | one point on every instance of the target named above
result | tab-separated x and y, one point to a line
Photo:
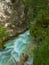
13	37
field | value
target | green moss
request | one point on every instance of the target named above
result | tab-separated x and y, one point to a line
3	36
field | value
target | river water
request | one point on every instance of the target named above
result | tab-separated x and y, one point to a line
14	48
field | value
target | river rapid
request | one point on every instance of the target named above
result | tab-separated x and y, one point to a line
10	55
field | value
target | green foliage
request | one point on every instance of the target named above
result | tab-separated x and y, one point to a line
3	33
41	54
39	3
40	29
34	7
40	34
3	36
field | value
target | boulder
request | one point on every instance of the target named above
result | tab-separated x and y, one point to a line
12	16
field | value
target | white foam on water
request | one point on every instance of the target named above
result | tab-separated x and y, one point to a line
17	48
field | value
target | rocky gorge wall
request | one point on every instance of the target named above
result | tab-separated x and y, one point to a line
12	16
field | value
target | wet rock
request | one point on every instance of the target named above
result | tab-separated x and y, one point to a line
23	59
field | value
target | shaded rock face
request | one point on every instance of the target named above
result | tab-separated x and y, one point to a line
12	16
